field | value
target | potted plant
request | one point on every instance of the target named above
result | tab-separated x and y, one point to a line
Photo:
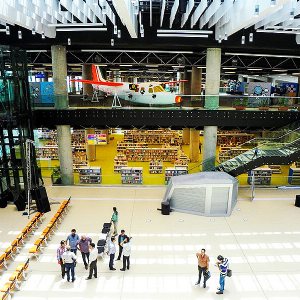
56	176
264	104
240	103
283	104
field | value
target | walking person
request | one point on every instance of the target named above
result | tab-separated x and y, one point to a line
93	261
222	264
121	239
83	247
255	154
69	259
59	253
73	240
203	266
111	252
126	253
115	219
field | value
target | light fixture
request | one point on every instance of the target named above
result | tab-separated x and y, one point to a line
201	67
254	69
115	29
220	39
152	66
229	68
112	42
230	72
135	51
250	37
184	31
183	35
69	42
243	40
43	35
258	55
278	31
7	30
273	3
292	14
141	28
33	31
142	34
101	65
125	65
225	36
119	34
279	70
256	10
82	29
19	34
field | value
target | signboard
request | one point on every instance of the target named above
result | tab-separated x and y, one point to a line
40	75
96	139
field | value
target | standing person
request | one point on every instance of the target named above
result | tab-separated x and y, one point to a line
121	239
203	266
69	259
93	261
222	264
83	247
200	147
111	252
73	240
115	219
59	253
126	253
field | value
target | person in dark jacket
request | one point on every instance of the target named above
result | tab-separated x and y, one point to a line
121	238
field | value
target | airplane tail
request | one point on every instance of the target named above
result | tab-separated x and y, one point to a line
97	76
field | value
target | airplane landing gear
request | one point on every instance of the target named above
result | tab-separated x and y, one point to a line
116	102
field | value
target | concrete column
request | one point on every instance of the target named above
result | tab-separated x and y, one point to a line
182	85
210	144
73	85
186	136
194	145
90	149
59	66
87	75
196	81
212	84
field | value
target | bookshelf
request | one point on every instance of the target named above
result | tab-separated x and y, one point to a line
226	153
262	176
294	176
154	137
79	160
122	146
132	175
233	139
47	152
182	161
177	171
276	169
90	175
156	167
148	154
120	161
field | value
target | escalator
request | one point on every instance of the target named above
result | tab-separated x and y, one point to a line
280	147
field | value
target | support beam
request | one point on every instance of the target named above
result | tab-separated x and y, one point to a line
194	145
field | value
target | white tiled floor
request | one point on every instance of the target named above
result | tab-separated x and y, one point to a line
261	240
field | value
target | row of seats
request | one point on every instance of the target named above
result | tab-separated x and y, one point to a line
105	235
42	241
14	281
14	247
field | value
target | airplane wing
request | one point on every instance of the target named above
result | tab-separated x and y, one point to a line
107	83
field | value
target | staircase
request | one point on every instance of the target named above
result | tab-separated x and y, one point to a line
282	148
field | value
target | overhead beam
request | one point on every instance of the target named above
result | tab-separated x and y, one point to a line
173	12
198	12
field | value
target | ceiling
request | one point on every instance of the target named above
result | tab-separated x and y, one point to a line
256	36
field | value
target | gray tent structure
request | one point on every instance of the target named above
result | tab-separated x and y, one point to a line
203	193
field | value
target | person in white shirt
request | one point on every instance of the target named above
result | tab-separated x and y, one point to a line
111	252
93	261
69	259
126	244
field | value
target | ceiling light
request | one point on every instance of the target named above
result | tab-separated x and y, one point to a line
43	35
125	65
278	31
119	34
7	30
177	67
250	37
33	31
135	51
36	51
182	35
101	65
230	72
19	34
296	73
254	69
201	67
69	42
112	42
279	70
184	31
74	65
243	40
151	66
47	65
229	68
81	29
225	37
256	54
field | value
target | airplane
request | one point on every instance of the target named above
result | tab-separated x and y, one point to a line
151	93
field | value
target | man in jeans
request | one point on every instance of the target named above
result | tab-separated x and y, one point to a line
203	266
111	252
73	240
69	259
83	247
222	264
60	251
121	239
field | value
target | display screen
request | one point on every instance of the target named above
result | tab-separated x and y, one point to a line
96	139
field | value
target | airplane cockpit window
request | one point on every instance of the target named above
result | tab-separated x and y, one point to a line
158	89
150	90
